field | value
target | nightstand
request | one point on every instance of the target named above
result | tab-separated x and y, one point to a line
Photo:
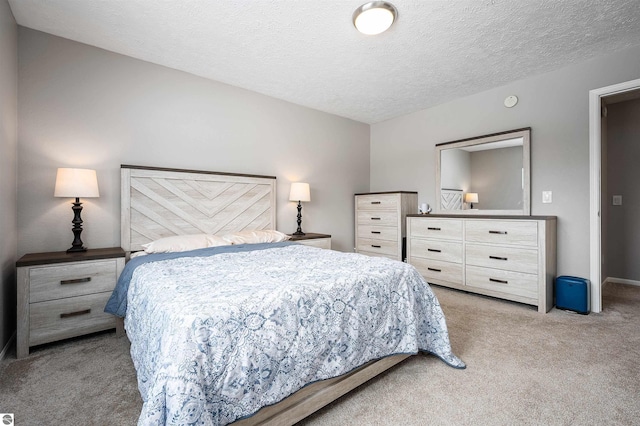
62	295
313	240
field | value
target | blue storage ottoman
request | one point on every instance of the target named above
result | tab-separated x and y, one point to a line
572	294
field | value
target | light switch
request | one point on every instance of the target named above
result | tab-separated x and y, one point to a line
617	200
547	197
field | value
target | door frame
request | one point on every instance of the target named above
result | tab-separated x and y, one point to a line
595	178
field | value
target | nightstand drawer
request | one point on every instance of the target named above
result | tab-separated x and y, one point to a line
64	318
72	279
324	243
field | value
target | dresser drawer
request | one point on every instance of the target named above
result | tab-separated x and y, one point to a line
499	257
374	254
385	218
377	202
447	251
437	271
377	246
519	232
71	279
443	229
389	233
73	316
508	282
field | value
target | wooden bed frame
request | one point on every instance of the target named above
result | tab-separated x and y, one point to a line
162	202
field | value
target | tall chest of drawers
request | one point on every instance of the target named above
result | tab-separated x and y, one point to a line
380	226
510	257
63	295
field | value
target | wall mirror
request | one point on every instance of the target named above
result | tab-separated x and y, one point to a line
485	175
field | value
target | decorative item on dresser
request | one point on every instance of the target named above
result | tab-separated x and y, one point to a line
509	257
313	240
76	183
62	295
380	222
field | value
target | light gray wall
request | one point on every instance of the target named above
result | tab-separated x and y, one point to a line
623	223
8	156
496	176
80	106
555	105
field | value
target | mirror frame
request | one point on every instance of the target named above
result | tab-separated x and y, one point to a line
525	133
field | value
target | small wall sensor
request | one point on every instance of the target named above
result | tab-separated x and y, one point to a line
510	101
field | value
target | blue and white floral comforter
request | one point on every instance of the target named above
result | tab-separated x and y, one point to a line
216	337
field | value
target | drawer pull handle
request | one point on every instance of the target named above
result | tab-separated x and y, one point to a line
76	281
498	232
435	250
375	232
375	202
498	258
434	229
375	246
375	218
435	270
75	314
498	281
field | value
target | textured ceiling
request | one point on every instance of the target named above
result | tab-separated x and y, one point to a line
308	52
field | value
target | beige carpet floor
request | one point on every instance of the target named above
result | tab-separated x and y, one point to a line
524	368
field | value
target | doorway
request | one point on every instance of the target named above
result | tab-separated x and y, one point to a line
596	98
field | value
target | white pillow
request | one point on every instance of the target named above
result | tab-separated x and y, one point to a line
183	243
215	241
254	237
137	254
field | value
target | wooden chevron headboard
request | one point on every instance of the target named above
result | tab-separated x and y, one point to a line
161	202
451	199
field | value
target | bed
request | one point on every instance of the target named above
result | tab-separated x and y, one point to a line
262	333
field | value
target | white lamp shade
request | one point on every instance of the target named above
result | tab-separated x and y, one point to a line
471	197
299	192
76	183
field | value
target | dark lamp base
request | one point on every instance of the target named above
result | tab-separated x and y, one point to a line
300	233
76	249
77	246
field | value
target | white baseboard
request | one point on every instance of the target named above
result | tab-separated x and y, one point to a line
7	346
621	281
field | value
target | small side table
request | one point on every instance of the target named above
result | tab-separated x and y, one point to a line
63	295
313	240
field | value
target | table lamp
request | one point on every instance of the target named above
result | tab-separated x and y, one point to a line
471	197
76	183
299	192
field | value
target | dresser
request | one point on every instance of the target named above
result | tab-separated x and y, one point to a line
63	295
380	226
313	240
509	257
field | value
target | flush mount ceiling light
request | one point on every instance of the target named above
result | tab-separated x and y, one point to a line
374	17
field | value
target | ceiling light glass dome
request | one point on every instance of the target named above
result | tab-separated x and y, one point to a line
374	17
